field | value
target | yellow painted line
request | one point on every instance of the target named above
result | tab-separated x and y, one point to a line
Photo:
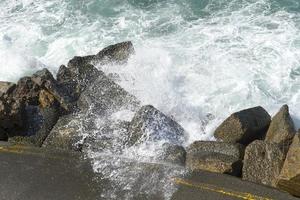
25	150
225	191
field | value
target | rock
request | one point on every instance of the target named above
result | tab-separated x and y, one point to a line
117	53
6	88
174	154
3	134
46	81
281	130
263	162
149	124
110	137
66	134
27	90
219	157
76	78
104	97
244	126
289	179
11	117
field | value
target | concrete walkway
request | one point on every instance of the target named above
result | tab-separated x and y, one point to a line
41	174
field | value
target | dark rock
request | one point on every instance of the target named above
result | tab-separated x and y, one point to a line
289	179
263	162
282	129
76	78
3	134
11	116
27	90
149	124
6	88
104	97
117	53
66	134
174	154
46	81
219	157
244	126
110	137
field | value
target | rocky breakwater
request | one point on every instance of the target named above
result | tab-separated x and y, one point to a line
84	110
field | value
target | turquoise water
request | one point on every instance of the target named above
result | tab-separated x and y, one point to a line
197	60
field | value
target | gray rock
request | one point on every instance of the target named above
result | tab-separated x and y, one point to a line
149	124
104	97
263	162
46	81
76	78
219	157
27	90
12	115
117	53
66	134
289	179
282	129
244	126
172	153
6	88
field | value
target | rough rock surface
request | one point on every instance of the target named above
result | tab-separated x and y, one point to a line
282	129
105	97
263	162
6	88
149	124
117	53
12	115
66	134
219	157
174	154
289	179
244	126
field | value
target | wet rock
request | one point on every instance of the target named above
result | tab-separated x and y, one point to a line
6	88
66	134
3	134
174	154
46	81
289	179
219	157
27	90
76	78
263	162
117	53
281	130
149	124
104	97
244	126
109	137
11	117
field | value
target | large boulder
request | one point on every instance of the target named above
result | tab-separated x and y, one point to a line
104	97
6	88
66	134
117	53
263	162
12	115
172	153
27	90
219	157
80	71
149	124
282	129
244	126
76	78
289	179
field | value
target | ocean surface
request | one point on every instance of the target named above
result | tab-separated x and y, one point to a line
197	60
